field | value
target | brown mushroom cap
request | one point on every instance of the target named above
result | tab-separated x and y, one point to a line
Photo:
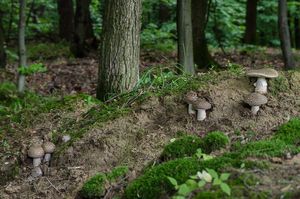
190	97
263	72
36	151
201	104
48	147
256	99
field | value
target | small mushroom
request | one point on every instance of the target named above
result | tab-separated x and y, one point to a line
201	106
189	98
255	100
49	148
36	152
261	85
36	172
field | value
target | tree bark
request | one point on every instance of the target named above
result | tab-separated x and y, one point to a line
120	48
285	35
83	37
2	43
164	13
251	15
202	58
66	19
185	35
297	32
22	47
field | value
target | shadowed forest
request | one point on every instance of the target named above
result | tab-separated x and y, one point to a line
150	99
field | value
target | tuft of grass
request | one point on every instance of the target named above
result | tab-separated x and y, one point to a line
278	85
289	133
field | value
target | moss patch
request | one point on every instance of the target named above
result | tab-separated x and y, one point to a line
214	141
289	132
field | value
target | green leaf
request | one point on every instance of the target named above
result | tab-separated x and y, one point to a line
213	173
192	184
224	176
201	183
184	190
217	181
225	188
178	197
173	181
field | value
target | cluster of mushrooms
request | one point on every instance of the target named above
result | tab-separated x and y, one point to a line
40	153
255	99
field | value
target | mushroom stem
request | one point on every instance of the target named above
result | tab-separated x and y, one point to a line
254	110
36	172
36	162
261	85
190	109
47	157
201	114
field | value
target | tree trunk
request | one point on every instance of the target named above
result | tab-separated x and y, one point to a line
22	47
2	42
185	35
66	19
251	14
202	57
120	48
297	32
83	36
285	35
164	13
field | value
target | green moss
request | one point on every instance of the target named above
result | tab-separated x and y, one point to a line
182	147
278	85
116	173
289	132
94	187
215	141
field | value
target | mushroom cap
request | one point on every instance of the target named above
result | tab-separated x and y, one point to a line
48	147
36	151
190	97
201	104
263	72
256	99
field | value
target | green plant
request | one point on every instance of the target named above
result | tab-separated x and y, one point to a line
215	141
289	132
235	69
31	69
278	85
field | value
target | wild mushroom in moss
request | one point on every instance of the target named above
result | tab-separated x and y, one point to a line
189	98
261	85
255	100
201	106
49	148
36	152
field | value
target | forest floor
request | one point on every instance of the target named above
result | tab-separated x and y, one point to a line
135	131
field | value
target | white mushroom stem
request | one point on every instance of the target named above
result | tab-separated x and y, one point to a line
190	109
47	157
254	109
261	85
36	162
36	172
201	114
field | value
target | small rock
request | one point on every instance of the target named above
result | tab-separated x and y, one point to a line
66	138
288	156
276	160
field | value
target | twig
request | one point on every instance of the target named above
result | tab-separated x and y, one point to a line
52	185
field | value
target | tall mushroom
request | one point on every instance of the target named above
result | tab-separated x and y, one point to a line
261	85
189	98
49	148
201	106
255	100
36	152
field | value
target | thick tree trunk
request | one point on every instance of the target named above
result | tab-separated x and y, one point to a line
120	48
285	35
83	36
66	19
202	57
22	47
2	42
251	14
297	32
185	35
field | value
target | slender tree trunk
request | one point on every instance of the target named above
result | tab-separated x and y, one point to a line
120	48
202	57
66	19
2	43
297	32
185	35
285	35
251	15
83	36
22	47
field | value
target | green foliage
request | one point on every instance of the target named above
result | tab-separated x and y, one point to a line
31	69
45	51
278	85
289	133
215	141
117	172
8	91
235	69
185	146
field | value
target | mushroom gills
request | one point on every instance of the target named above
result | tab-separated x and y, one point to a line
190	110
254	110
261	85
201	114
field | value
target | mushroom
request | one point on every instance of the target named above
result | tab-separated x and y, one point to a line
49	148
189	98
36	172
201	105
255	100
36	152
261	84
